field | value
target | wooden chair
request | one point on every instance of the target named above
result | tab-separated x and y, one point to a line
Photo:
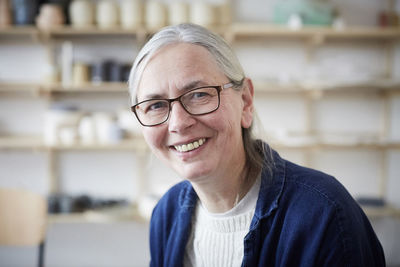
23	219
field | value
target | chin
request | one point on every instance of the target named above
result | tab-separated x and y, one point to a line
193	173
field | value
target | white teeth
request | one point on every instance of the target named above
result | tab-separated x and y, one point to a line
190	146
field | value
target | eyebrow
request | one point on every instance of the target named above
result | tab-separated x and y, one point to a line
186	87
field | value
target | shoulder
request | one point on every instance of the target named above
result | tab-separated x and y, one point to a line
172	200
311	183
329	213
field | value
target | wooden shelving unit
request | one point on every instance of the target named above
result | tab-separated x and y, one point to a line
236	32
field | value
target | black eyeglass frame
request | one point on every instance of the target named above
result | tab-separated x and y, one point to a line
219	88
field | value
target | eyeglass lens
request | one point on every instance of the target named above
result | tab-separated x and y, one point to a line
196	102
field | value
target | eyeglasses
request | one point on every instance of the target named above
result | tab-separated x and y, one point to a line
197	101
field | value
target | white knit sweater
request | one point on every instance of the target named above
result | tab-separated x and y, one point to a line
216	239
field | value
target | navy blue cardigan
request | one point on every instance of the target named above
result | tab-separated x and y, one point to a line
303	218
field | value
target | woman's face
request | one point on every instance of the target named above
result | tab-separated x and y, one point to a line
172	71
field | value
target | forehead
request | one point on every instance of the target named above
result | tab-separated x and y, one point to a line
175	66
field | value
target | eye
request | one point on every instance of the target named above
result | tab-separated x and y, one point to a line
155	106
199	95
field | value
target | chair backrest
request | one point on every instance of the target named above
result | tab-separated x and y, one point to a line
22	218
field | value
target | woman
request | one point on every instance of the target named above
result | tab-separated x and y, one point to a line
240	204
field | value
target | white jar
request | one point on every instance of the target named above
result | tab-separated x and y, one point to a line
107	14
203	14
156	15
67	135
87	131
56	119
81	13
131	14
103	123
178	13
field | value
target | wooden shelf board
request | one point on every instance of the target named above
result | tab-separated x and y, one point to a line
19	30
18	87
376	85
36	142
272	30
138	144
21	142
378	212
260	86
87	88
130	213
235	30
107	215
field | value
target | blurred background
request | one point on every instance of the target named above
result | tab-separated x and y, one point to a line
72	159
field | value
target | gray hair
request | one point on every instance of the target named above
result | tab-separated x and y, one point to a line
226	60
192	34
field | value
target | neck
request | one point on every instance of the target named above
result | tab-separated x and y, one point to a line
221	194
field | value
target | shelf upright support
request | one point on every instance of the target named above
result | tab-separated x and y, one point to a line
142	162
389	59
384	173
314	41
53	181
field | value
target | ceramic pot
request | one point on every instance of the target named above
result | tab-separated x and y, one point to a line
178	13
156	15
5	13
81	13
107	14
131	14
86	130
24	11
50	16
203	14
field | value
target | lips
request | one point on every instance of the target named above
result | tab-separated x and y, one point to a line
190	146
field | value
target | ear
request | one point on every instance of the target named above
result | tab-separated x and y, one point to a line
248	106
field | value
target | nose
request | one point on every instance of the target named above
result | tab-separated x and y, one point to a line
179	119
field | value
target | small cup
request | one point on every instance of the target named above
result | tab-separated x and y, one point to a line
80	74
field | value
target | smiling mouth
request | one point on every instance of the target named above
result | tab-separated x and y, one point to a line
190	146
